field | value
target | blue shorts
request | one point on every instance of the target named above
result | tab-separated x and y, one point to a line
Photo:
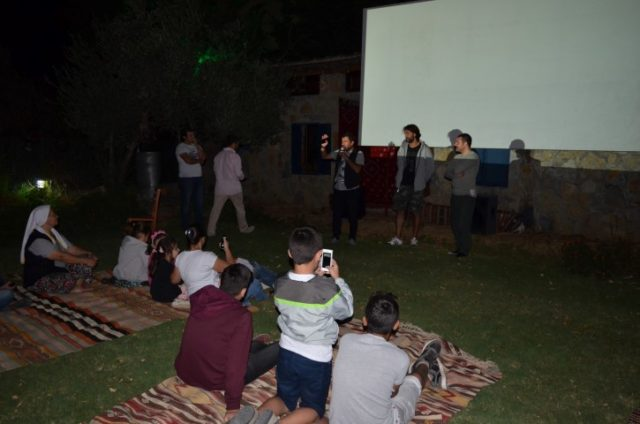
304	380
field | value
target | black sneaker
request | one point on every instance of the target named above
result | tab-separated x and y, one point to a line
461	255
429	355
453	253
437	375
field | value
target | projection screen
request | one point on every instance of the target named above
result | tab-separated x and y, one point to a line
557	74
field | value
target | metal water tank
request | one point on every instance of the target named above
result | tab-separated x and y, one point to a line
148	167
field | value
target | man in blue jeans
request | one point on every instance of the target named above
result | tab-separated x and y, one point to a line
190	156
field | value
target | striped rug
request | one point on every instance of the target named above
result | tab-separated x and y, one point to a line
172	401
55	325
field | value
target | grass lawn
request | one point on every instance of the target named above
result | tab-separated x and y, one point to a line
568	346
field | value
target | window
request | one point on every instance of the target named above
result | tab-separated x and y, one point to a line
494	167
352	82
303	85
305	149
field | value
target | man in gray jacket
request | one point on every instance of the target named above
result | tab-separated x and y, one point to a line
462	170
415	168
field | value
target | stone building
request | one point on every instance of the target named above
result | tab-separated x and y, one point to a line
594	194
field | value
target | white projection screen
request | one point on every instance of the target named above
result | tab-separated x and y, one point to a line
557	74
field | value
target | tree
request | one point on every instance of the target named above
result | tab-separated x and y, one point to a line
167	63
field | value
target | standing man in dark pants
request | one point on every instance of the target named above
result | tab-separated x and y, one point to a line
346	184
415	168
190	156
462	171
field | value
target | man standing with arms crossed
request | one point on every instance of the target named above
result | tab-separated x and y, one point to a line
415	168
190	157
227	166
462	171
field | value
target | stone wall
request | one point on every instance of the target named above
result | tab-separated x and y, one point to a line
271	181
594	194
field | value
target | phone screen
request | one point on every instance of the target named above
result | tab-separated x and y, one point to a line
327	255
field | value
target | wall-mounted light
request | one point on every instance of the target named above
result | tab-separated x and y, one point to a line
40	184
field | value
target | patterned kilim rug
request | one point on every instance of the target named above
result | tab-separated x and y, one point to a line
172	401
55	325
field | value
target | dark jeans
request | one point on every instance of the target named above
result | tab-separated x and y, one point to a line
300	378
191	193
462	208
345	203
262	358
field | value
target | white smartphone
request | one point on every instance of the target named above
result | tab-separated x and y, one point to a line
327	257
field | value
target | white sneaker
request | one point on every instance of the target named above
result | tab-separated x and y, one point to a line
414	241
395	242
181	305
248	230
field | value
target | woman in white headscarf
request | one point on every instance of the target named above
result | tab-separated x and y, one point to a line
51	263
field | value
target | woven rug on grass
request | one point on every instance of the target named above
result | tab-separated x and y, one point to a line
54	325
172	401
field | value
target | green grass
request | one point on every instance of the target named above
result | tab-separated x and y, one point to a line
568	346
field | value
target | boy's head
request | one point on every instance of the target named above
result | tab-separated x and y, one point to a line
382	314
305	246
235	279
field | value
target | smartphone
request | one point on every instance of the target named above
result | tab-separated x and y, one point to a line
327	257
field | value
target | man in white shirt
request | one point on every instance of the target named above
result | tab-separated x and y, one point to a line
190	156
227	167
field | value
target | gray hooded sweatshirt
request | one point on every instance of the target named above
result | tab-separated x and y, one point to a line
424	166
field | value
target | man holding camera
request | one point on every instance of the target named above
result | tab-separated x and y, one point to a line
346	184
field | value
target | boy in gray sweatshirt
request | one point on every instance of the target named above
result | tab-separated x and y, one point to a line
462	171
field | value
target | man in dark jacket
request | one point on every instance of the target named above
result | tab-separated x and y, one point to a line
346	184
217	352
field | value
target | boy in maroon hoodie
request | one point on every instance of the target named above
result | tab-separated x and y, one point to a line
217	352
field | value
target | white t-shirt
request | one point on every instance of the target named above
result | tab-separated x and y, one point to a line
185	169
365	372
196	269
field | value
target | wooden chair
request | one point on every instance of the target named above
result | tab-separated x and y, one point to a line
153	219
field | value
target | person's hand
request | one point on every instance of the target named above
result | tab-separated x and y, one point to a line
90	261
230	414
334	270
325	141
225	244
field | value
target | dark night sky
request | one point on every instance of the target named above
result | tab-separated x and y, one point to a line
34	33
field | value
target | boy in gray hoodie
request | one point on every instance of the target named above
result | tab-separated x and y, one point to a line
309	304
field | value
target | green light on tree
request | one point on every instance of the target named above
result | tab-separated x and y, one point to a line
209	56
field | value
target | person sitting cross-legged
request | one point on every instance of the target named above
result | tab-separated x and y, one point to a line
217	352
370	381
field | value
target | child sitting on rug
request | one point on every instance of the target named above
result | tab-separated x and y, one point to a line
217	352
163	287
370	383
133	260
309	304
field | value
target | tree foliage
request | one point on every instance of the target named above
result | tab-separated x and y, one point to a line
168	65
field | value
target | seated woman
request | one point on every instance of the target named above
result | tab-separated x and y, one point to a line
164	288
51	263
198	268
133	261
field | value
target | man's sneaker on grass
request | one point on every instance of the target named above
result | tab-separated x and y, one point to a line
453	253
352	242
414	241
395	242
250	229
